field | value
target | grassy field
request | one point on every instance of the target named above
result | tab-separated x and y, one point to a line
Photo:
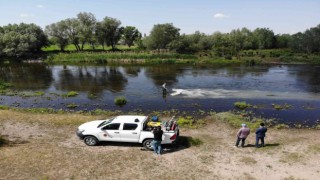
132	55
44	146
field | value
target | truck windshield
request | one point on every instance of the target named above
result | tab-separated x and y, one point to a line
105	122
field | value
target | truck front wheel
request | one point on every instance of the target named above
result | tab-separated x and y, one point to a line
91	140
148	144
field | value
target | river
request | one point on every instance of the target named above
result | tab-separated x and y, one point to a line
191	89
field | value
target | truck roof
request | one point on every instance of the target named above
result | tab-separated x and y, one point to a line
130	119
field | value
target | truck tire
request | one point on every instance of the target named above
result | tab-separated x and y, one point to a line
91	141
148	144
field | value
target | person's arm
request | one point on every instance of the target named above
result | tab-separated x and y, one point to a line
258	131
239	132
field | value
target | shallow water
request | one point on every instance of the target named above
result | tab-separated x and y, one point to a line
190	88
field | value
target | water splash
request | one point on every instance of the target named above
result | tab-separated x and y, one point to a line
248	94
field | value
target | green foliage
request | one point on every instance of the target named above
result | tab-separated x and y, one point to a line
190	122
4	85
242	105
71	94
39	93
131	35
161	36
21	40
120	101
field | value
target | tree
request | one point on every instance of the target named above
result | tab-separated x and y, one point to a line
111	31
22	40
72	30
162	35
222	44
240	40
282	40
87	25
131	35
263	38
58	33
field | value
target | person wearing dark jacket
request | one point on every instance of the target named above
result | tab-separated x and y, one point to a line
157	132
260	134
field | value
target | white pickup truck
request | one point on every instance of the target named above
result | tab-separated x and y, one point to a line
126	128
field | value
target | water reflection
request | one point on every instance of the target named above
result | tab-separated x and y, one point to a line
27	77
93	80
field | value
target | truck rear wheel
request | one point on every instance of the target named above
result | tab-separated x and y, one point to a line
91	140
148	144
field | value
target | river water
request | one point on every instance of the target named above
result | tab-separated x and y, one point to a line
191	89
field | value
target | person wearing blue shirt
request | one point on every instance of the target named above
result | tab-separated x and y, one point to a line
260	134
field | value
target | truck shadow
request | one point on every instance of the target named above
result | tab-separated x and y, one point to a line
183	142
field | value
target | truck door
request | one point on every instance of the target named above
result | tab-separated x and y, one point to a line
110	132
130	132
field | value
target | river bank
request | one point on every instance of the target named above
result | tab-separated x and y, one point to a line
44	146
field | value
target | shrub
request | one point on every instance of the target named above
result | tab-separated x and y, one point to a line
3	107
120	101
189	122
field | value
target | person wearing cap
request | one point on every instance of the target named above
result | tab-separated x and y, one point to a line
157	132
260	134
242	134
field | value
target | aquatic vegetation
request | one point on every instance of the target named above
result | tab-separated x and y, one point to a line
242	105
281	107
72	106
120	101
39	93
71	94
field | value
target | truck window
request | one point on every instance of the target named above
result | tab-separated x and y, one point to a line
114	126
130	126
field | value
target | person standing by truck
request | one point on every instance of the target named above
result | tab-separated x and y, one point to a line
157	132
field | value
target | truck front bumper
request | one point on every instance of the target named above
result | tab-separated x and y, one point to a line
79	134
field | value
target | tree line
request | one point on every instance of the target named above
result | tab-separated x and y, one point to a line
24	39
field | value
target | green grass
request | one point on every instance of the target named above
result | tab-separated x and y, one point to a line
87	47
72	106
236	120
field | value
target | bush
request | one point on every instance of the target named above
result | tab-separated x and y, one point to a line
189	122
120	101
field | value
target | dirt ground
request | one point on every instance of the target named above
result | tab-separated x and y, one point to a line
41	148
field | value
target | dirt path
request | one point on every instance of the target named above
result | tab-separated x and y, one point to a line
45	151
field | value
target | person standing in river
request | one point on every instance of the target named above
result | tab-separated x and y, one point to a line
242	134
260	134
